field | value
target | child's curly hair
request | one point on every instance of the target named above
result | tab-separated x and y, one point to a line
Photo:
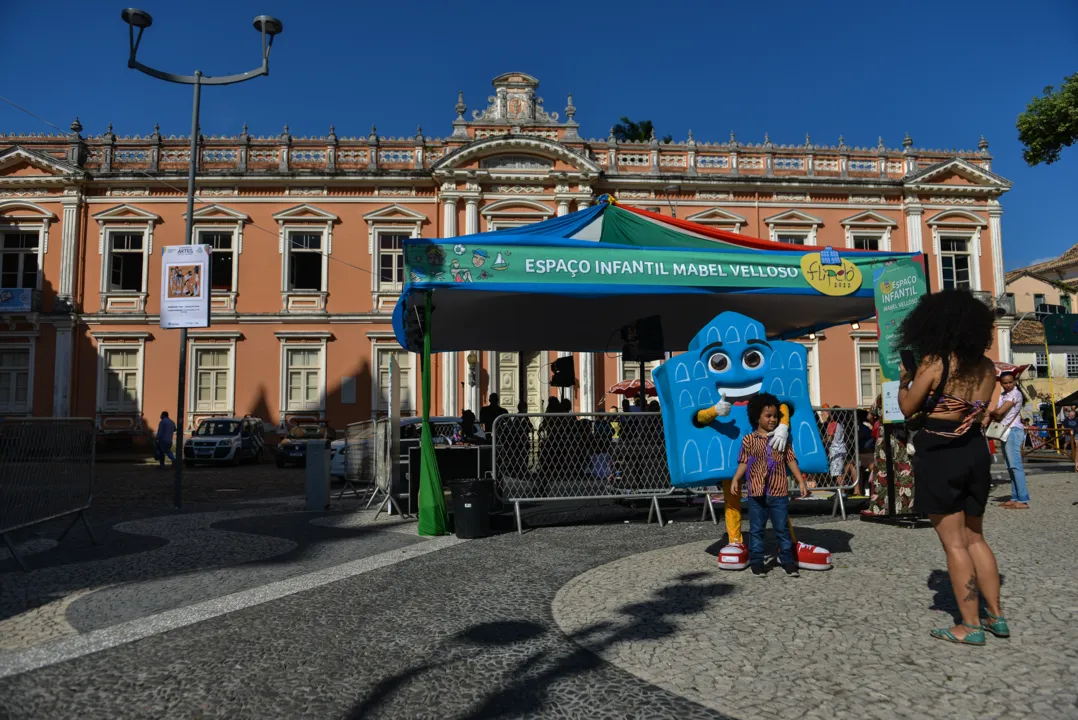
757	405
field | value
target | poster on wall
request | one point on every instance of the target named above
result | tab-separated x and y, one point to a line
897	289
185	286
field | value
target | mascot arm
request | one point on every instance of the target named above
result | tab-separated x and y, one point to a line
719	409
784	414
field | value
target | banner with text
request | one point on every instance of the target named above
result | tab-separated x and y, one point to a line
185	286
897	288
444	262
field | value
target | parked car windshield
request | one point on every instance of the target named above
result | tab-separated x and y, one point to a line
307	431
218	427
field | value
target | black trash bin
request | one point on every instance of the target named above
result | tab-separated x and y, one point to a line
471	504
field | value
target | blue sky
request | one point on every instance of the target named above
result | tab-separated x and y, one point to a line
945	72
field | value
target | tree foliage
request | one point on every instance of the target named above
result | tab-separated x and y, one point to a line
1049	123
629	131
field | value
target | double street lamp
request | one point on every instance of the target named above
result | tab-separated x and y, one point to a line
269	27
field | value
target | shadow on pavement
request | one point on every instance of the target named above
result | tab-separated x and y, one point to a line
528	681
939	582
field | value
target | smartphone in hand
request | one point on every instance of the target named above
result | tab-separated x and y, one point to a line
909	362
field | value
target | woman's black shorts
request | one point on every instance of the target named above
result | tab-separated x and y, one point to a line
950	474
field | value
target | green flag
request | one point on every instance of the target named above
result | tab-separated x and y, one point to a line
433	516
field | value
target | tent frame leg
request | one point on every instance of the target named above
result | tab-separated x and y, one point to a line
516	512
655	511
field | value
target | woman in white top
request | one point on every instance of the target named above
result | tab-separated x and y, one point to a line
1008	412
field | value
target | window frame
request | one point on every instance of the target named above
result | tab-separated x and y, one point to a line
288	231
195	346
1038	366
970	254
379	232
867	345
229	229
1072	369
302	340
805	236
878	237
22	227
103	404
11	408
106	260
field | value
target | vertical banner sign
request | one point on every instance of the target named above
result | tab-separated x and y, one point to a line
897	288
185	286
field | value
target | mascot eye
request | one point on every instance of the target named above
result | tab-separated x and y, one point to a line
719	362
752	359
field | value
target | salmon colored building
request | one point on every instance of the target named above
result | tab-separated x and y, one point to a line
306	267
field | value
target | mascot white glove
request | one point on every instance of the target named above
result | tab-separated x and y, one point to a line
722	408
779	437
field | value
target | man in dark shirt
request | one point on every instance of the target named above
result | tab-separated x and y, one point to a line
491	412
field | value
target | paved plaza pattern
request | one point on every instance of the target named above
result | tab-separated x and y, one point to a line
262	610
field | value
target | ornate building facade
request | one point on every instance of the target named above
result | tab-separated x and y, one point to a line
306	267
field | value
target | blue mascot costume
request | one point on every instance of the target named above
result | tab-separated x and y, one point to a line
704	394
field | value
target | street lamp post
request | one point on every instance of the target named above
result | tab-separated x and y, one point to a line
140	19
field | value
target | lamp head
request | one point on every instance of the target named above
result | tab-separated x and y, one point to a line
137	18
269	25
472	359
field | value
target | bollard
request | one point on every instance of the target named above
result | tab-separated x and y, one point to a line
318	456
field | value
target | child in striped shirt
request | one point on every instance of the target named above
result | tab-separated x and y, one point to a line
768	489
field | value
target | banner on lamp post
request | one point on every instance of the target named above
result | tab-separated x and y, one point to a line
897	289
185	286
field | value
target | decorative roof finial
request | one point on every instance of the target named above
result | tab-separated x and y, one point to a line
373	137
733	139
243	130
879	142
108	130
691	140
610	138
461	108
907	141
419	133
651	137
76	126
332	137
285	129
570	110
983	144
841	142
807	140
157	128
767	138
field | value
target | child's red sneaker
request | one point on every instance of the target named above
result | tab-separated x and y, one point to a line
813	557
734	556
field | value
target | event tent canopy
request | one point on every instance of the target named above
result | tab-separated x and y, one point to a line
570	283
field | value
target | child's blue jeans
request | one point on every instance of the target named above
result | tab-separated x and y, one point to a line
778	510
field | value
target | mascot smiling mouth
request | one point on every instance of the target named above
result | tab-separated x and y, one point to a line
739	395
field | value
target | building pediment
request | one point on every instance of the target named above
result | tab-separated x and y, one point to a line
516	153
957	174
305	212
22	165
24	211
395	213
957	218
126	213
869	218
793	217
716	216
221	213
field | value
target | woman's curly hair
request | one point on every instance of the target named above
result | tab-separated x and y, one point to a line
949	323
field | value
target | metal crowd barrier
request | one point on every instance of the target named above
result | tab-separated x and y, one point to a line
579	456
1047	443
594	456
46	472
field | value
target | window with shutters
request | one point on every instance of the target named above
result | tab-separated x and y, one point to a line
212	372
868	368
404	363
121	379
15	380
303	382
19	259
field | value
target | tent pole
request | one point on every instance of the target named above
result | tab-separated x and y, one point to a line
643	381
433	514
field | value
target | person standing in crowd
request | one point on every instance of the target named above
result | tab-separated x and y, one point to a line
166	430
1008	413
903	469
951	331
491	412
1069	426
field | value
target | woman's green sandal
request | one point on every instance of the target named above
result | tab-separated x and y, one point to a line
975	636
996	624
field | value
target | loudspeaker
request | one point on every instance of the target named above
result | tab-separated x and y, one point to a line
642	341
564	372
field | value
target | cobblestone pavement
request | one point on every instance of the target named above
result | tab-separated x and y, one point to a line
853	642
127	487
564	621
